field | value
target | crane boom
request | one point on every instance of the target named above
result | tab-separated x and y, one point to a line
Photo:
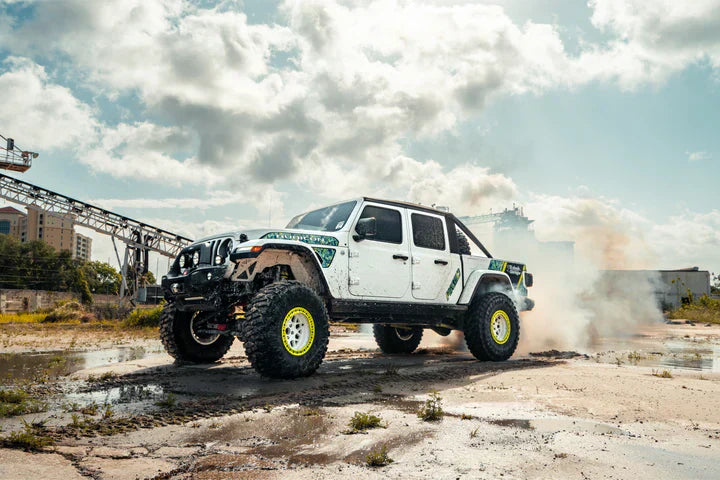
134	234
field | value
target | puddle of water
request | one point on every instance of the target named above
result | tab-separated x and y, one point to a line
685	353
550	425
22	366
124	394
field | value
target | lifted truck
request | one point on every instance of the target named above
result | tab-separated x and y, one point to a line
399	266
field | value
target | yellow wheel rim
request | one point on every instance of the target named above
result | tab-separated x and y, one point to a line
500	327
298	331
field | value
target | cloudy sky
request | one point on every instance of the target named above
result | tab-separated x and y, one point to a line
205	116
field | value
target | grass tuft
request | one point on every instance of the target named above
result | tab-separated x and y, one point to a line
662	374
378	458
432	410
15	401
361	422
30	438
168	401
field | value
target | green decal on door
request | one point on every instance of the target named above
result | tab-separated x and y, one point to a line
453	284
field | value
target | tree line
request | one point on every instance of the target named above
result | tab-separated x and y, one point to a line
36	265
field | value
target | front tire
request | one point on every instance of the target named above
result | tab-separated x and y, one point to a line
397	340
287	330
492	327
181	339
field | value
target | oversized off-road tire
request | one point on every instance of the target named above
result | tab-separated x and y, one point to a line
396	339
492	327
463	244
286	330
181	340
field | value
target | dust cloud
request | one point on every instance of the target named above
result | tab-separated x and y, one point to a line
580	297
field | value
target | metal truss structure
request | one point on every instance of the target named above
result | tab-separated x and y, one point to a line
133	233
140	239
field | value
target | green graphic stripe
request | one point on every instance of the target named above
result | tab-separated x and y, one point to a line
453	284
304	237
326	255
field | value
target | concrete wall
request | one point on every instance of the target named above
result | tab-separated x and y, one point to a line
12	301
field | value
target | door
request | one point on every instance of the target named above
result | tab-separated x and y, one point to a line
431	260
380	266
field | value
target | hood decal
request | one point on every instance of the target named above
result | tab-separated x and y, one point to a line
303	237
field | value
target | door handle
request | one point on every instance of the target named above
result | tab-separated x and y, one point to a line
400	257
441	262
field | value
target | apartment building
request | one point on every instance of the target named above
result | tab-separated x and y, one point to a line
83	247
56	230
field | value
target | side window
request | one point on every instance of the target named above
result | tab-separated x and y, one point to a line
428	232
389	223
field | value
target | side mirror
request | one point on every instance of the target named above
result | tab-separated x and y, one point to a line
365	228
528	279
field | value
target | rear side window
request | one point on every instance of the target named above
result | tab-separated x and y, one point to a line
389	224
428	232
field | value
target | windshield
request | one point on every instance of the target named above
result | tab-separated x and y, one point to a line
327	219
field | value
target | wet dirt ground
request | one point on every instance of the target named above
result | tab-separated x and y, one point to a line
607	411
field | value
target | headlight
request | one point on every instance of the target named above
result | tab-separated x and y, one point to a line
218	260
196	257
182	261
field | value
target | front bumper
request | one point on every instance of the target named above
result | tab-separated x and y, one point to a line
193	286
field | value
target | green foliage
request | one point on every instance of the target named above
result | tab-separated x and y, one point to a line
378	458
703	309
144	317
662	374
31	438
432	410
168	402
15	401
364	421
35	265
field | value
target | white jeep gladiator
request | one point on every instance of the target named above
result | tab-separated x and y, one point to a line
399	266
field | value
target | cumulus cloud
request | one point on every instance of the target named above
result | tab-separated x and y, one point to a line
38	113
652	40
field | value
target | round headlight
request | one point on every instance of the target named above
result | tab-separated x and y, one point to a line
182	261
218	260
196	258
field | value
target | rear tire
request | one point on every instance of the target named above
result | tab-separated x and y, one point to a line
397	340
492	327
287	330
184	343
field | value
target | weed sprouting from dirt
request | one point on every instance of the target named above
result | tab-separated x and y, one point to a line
16	401
361	422
390	371
432	410
465	416
561	455
475	433
108	412
377	389
310	412
105	377
90	409
169	401
378	458
662	374
268	407
31	438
